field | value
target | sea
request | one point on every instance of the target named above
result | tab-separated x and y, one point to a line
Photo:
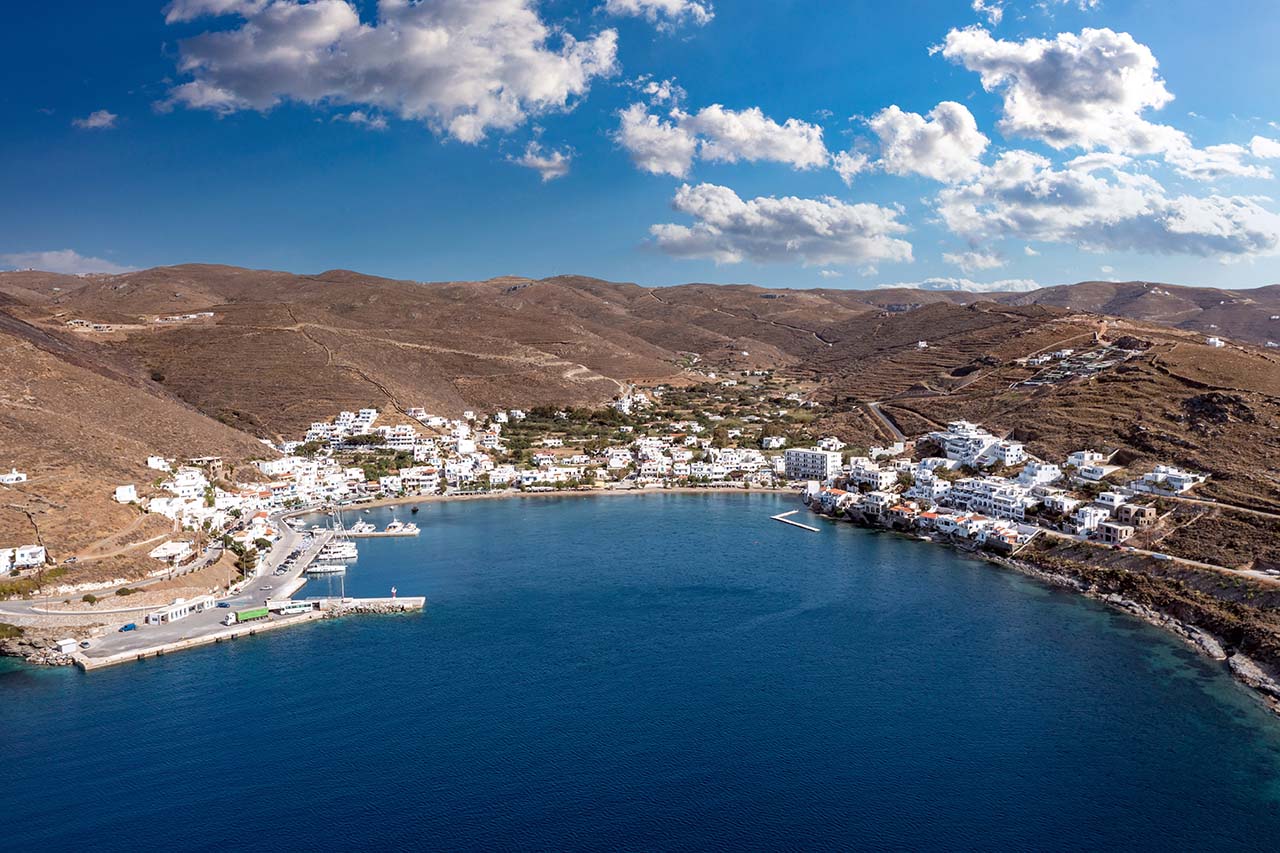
656	672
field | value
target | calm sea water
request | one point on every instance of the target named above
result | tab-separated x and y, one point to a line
667	672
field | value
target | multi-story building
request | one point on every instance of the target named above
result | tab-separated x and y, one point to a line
812	463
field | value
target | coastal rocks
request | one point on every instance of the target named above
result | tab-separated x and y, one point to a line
50	657
1248	671
374	608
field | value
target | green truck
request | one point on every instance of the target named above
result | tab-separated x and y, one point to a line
250	615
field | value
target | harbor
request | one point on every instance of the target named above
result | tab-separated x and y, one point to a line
264	603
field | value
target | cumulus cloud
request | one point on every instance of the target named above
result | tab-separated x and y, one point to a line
1087	90
1095	205
656	146
97	120
730	136
945	146
664	13
850	164
719	135
1005	285
1267	149
67	261
818	232
830	273
550	164
464	67
975	260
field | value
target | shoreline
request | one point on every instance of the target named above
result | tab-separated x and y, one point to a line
555	493
1262	686
1244	670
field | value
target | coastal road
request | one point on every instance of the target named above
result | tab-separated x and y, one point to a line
888	424
1249	573
210	621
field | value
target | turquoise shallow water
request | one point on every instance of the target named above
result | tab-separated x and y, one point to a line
667	672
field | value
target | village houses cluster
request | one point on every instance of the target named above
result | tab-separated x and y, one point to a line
456	454
958	494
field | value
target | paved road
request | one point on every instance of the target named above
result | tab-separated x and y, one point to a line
252	595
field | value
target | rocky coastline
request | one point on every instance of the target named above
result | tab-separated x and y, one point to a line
1252	673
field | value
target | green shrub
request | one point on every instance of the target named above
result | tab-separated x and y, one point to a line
90	598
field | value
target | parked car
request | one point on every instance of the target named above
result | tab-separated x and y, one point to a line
69	561
223	604
128	626
84	644
266	587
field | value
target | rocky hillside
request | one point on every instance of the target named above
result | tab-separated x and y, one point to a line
204	359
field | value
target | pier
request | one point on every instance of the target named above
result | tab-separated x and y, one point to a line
785	518
325	608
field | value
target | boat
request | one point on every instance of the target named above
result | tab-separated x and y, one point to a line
414	510
362	527
339	550
399	528
326	569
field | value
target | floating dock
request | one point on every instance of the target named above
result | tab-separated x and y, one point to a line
784	517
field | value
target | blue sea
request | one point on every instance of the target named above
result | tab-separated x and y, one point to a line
659	672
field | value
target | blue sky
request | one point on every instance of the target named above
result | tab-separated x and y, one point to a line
1067	140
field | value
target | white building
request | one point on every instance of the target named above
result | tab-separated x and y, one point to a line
173	552
126	494
773	442
1039	473
1215	342
180	609
13	477
811	464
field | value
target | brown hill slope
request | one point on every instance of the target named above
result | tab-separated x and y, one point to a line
79	426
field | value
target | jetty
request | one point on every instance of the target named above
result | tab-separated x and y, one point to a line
785	518
322	608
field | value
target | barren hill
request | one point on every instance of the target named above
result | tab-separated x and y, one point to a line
201	359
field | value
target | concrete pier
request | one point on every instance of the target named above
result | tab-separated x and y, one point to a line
326	608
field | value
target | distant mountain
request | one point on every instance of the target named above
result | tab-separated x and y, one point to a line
1245	315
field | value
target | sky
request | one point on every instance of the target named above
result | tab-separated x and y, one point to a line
975	144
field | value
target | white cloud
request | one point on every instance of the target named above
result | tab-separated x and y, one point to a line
188	10
719	135
464	67
730	136
1107	268
1213	162
550	164
1094	205
831	273
1087	90
373	121
1264	148
850	164
1030	252
945	147
993	9
665	13
1006	285
66	261
975	260
656	146
97	120
662	91
815	232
